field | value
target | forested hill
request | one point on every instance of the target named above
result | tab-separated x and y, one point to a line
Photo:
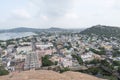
101	30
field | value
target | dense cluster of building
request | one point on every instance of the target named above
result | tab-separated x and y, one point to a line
26	53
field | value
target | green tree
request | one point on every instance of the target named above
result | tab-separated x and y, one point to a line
79	59
116	53
101	52
116	63
94	61
118	70
46	61
94	71
3	71
107	64
64	70
104	62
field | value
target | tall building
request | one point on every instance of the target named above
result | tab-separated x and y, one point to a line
33	44
32	61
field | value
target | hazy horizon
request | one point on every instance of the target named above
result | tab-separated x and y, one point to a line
66	14
41	27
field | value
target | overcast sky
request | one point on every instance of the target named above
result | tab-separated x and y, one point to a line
58	13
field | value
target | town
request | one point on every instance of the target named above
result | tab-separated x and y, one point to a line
61	52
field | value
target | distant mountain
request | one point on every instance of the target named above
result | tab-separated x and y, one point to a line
54	28
24	29
20	29
102	30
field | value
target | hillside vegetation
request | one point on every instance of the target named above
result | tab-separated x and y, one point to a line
101	30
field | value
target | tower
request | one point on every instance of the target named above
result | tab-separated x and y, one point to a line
33	41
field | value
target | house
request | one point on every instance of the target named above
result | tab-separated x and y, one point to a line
25	49
66	62
10	49
87	56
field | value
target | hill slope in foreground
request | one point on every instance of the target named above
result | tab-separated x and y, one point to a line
48	75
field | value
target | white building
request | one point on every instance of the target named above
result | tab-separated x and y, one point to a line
87	56
66	62
44	46
25	49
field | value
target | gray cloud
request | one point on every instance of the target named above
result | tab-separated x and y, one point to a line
61	13
53	8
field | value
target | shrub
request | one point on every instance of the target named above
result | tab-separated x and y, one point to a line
64	70
3	71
